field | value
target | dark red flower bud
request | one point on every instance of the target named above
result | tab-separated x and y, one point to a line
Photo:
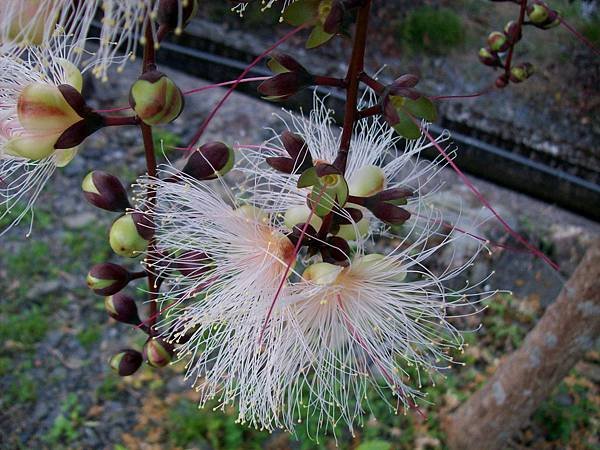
310	234
126	362
513	32
395	196
105	191
284	85
282	164
501	81
107	278
90	121
342	219
193	263
282	62
298	150
497	41
389	213
405	81
210	161
157	352
489	58
174	16
122	308
335	18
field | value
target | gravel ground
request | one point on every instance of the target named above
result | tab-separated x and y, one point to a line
57	391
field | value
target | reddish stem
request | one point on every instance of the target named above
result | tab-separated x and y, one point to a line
507	64
147	65
353	78
372	83
329	81
120	121
369	112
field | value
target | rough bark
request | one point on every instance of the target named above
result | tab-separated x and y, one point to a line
525	378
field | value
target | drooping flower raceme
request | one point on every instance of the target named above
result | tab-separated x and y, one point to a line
33	115
288	333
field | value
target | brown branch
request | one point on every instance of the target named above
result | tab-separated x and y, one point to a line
355	70
525	378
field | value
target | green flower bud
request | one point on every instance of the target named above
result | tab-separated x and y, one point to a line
126	236
156	99
367	181
126	362
348	231
537	13
322	273
497	41
157	352
521	72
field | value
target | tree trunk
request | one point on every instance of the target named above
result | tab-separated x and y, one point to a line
525	378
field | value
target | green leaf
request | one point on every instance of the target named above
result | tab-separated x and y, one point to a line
308	178
325	201
406	127
301	12
422	107
318	36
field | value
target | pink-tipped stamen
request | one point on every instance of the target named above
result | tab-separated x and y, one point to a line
484	201
384	371
289	265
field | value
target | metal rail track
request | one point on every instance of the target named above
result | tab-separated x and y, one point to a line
477	153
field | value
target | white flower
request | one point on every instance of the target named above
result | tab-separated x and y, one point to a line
375	151
226	299
29	80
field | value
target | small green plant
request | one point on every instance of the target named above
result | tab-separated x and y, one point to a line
431	29
67	423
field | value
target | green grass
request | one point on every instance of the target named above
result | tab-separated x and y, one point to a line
431	30
187	425
90	335
25	326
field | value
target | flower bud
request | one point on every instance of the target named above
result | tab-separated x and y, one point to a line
122	308
155	98
126	362
107	278
174	16
45	114
322	273
210	161
105	191
157	352
129	235
388	213
367	181
299	214
488	58
335	251
521	72
348	231
537	13
282	63
497	41
501	81
283	86
513	32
